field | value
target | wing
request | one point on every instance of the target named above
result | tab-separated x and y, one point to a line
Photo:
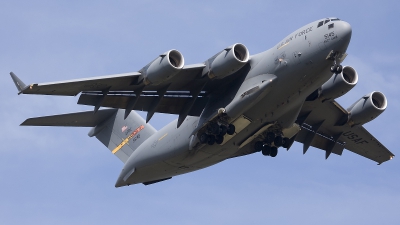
320	129
318	121
115	82
185	94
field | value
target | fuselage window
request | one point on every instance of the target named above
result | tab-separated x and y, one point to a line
320	24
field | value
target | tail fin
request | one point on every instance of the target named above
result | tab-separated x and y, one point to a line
121	136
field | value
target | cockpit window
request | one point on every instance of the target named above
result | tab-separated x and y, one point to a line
326	21
320	24
336	19
330	25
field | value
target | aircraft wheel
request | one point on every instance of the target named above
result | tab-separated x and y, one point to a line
274	151
333	68
278	141
203	138
223	130
286	142
339	69
266	150
231	129
219	139
214	128
258	146
270	137
211	139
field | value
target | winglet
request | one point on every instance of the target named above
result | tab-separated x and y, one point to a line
18	83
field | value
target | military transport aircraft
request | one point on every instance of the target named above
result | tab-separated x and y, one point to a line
233	104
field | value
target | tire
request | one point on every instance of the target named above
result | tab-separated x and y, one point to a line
258	146
278	141
211	139
339	69
231	129
266	150
286	142
270	137
274	151
333	68
203	138
219	139
214	128
223	130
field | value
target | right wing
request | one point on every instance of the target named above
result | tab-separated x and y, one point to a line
116	82
184	94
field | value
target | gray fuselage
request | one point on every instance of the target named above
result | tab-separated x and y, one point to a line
300	64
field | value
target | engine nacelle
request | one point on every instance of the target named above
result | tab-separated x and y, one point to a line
339	84
367	108
229	61
164	67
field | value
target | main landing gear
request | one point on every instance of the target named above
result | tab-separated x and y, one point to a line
269	147
215	133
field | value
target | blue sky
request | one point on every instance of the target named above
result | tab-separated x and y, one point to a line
61	176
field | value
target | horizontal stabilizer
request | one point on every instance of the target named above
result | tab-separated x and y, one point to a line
80	119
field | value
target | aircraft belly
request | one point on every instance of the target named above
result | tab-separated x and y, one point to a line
173	157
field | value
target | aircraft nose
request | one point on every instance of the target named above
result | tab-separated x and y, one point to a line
345	30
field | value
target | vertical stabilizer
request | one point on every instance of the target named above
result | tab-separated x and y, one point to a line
123	136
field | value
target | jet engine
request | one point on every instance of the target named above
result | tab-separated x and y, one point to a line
367	108
163	67
339	84
229	61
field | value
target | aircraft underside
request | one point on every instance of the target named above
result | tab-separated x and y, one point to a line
231	105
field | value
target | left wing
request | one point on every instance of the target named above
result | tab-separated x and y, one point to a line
318	122
320	129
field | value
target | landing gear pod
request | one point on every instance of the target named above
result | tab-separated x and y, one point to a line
229	61
164	67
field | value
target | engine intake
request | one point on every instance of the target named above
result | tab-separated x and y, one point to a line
367	108
163	67
229	61
339	84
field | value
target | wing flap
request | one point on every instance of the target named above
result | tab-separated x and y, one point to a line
170	105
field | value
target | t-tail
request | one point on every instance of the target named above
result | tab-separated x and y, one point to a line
121	136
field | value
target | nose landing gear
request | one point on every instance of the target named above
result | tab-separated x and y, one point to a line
336	68
336	57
